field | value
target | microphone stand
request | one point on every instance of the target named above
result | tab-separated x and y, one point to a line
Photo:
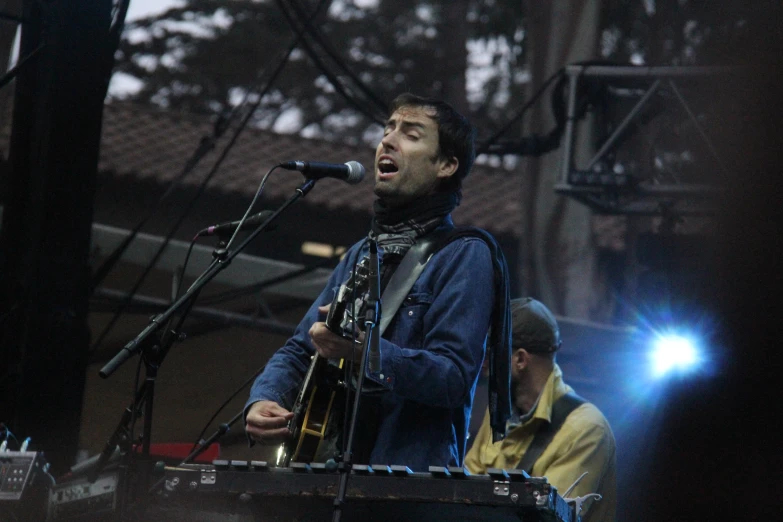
371	359
153	356
143	402
224	259
202	446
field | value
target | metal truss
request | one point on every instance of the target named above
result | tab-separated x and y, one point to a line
650	129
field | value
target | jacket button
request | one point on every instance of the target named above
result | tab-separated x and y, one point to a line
410	313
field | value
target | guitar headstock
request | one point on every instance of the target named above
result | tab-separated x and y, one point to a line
342	317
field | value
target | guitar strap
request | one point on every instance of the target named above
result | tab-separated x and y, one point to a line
499	356
561	409
408	271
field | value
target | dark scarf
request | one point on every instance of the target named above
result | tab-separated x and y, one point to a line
397	228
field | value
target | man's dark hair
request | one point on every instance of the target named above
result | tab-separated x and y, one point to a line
456	135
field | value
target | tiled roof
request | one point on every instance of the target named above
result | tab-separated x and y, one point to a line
145	143
140	142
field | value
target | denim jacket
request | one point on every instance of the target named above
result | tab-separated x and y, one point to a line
431	355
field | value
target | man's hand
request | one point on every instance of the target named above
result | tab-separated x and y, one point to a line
267	422
332	346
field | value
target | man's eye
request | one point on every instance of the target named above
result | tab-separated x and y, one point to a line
413	136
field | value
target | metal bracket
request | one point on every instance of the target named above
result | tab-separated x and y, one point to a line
501	488
208	477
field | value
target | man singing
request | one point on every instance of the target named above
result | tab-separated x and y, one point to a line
432	350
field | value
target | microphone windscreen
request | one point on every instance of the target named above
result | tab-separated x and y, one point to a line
355	172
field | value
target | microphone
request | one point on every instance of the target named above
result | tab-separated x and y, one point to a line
351	172
90	464
228	228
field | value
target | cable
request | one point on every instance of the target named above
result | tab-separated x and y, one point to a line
202	187
11	74
184	267
335	82
217	258
206	144
318	63
225	403
484	148
316	34
236	293
134	412
250	207
6	433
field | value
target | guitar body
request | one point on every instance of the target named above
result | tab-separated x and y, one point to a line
316	396
311	414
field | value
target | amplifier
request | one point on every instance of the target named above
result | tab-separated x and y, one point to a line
377	492
80	499
18	469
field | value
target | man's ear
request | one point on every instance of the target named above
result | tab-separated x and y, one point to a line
447	167
520	359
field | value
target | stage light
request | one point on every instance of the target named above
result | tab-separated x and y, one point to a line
673	353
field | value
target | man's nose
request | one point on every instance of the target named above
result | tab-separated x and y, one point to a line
389	141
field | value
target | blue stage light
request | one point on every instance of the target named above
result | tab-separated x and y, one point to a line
674	353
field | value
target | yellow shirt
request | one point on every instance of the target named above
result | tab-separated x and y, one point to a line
584	442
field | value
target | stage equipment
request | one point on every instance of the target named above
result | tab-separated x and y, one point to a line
153	344
82	500
24	484
351	172
651	128
19	470
377	492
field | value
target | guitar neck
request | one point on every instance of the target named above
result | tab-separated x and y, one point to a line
315	361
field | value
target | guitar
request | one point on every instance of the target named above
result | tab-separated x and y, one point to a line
316	395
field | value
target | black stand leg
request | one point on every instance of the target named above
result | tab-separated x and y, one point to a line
153	358
370	360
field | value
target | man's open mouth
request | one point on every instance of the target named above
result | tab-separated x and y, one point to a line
387	166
